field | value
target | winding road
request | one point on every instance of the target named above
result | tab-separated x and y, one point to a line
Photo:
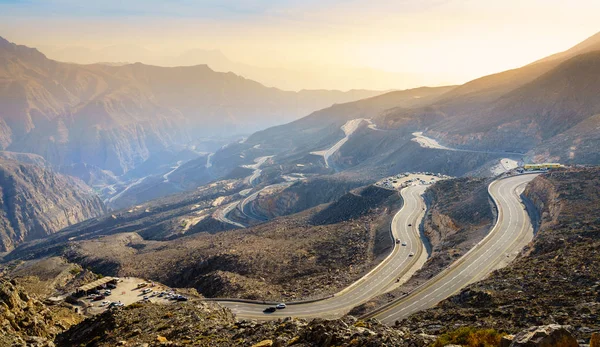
512	231
394	266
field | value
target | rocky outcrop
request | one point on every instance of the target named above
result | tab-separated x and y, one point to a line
353	205
36	202
303	195
207	324
543	336
23	319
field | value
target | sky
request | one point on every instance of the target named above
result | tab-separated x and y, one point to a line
371	44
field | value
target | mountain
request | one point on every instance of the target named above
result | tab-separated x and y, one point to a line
115	117
547	110
547	107
37	202
297	78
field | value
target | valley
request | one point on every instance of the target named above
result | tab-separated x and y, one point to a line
431	216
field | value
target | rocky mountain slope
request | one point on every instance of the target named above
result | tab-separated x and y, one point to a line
205	324
115	117
279	259
554	281
538	111
37	202
26	321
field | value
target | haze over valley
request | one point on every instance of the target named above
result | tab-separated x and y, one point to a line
295	191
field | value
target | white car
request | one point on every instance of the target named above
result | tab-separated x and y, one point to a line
403	243
411	254
104	303
281	306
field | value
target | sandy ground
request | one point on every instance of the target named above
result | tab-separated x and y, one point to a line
427	142
396	182
127	292
504	165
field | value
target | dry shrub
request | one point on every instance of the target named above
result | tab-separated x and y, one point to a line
470	337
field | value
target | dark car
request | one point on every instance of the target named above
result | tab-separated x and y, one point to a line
182	298
99	297
410	225
270	309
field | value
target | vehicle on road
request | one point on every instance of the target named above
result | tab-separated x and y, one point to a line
281	306
403	243
398	241
410	225
270	309
182	298
411	254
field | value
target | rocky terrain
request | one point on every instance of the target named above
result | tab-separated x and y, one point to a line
205	324
554	281
294	257
36	202
26	321
303	195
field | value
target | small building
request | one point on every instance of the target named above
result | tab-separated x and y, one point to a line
542	166
97	284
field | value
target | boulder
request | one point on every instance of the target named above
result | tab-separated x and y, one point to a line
263	343
545	336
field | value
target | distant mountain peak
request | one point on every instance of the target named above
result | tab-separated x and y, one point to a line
20	50
592	43
4	43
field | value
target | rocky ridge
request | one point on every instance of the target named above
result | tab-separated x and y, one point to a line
37	202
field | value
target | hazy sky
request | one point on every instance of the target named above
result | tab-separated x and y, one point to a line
456	40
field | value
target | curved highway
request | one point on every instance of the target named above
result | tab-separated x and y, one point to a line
373	283
512	231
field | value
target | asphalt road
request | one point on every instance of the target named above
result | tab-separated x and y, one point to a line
511	232
428	142
370	285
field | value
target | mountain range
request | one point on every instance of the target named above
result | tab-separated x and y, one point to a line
115	116
544	111
307	76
